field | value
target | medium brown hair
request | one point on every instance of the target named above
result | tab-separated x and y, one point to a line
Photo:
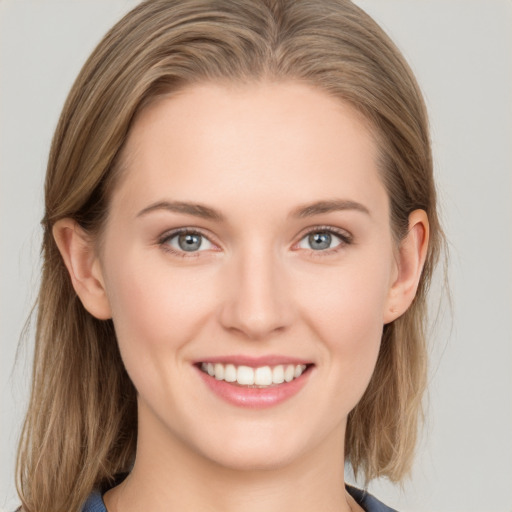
81	427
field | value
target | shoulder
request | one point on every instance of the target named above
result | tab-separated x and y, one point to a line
368	502
94	503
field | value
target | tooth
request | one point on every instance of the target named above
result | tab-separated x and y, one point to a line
245	375
219	371
289	373
230	373
298	370
263	376
278	374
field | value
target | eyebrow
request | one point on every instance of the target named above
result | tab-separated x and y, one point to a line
205	212
195	209
332	205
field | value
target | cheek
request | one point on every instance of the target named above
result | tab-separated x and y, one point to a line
347	317
348	303
155	309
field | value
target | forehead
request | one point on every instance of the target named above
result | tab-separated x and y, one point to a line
260	142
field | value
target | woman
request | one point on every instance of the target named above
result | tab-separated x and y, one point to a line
239	234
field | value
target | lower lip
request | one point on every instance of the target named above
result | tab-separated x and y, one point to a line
255	398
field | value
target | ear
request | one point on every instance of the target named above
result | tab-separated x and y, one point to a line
410	260
77	250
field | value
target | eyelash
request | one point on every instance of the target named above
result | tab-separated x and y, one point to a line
166	237
344	237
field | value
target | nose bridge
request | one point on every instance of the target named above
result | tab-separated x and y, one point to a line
258	301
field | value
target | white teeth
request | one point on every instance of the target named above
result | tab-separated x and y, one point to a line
219	371
299	369
230	373
289	373
263	376
278	374
247	376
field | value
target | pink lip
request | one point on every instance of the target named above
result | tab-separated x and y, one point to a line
254	362
254	398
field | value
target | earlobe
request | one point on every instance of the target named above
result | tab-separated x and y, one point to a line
77	251
411	258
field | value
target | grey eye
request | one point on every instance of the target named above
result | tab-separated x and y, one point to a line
189	242
320	241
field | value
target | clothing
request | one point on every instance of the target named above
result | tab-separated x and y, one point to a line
370	504
94	503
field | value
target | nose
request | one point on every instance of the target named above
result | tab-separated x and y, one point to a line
257	302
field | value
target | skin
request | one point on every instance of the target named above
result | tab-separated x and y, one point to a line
255	154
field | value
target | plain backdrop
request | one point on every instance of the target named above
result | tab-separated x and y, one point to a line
461	51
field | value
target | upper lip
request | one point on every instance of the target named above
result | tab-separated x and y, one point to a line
255	362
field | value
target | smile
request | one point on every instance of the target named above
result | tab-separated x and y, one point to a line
255	384
260	377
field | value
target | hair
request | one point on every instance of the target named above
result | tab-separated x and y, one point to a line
81	427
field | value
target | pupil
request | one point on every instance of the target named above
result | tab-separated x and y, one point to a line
319	241
189	242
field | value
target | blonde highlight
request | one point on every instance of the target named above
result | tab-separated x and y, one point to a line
81	428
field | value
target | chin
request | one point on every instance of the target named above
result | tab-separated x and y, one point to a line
252	459
251	452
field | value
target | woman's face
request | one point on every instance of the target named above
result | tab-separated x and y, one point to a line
249	237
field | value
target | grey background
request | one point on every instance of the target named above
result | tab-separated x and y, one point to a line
461	51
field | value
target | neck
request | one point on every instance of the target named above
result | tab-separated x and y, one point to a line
170	476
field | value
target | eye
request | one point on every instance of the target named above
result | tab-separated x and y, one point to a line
187	241
323	240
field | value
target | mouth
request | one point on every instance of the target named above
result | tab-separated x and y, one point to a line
260	377
251	383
